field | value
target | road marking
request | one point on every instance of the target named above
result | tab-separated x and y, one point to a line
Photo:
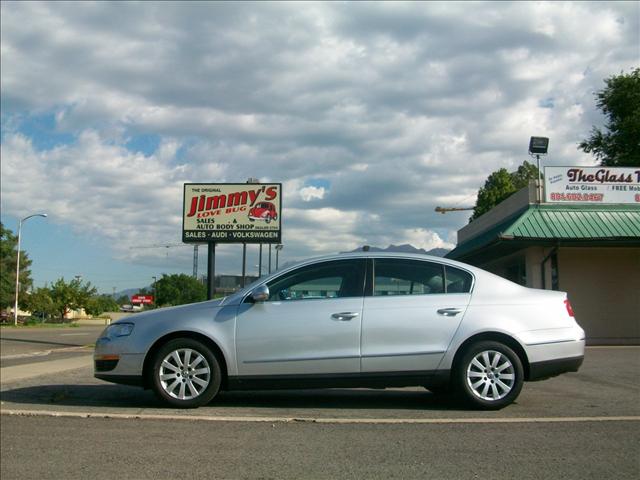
74	334
44	353
389	421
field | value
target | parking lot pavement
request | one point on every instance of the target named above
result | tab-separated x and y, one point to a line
607	385
583	425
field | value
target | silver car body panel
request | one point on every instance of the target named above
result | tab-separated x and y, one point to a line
404	333
298	337
387	334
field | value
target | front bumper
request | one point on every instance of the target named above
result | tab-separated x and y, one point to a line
113	365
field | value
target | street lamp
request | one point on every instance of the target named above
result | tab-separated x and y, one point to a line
278	248
15	307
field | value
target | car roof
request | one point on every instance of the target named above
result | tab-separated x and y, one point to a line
370	254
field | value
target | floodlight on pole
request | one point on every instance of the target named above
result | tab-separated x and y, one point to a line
538	146
15	307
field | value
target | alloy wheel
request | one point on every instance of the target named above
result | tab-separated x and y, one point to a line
184	374
490	375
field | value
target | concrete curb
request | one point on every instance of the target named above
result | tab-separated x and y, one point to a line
372	421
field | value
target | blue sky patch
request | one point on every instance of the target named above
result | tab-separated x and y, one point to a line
318	183
547	102
39	128
147	144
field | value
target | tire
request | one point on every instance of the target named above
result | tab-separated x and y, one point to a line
185	385
489	376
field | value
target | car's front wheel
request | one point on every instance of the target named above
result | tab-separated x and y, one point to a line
489	375
186	374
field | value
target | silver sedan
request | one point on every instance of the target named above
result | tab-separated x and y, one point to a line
352	320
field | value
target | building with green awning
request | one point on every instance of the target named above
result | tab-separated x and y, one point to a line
591	251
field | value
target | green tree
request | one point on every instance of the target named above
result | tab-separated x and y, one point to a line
98	304
500	185
619	101
40	303
8	257
123	300
179	289
71	296
525	172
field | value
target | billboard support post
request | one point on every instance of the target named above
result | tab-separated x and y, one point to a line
211	270
260	262
244	264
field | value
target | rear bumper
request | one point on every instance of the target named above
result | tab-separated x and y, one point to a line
551	368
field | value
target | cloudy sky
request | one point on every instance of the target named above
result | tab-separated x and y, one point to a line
370	114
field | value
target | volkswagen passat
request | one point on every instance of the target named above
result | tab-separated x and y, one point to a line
351	320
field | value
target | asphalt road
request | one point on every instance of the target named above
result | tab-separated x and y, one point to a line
56	448
27	345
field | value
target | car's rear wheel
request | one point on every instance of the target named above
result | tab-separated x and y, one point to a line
489	375
186	374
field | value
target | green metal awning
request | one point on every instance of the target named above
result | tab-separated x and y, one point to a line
598	225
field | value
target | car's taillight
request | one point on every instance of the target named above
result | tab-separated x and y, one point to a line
567	304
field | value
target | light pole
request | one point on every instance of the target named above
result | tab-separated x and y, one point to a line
15	307
538	146
278	248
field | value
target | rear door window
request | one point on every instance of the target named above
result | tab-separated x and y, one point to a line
396	276
457	281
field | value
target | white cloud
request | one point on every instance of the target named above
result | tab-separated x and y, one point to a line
312	193
399	106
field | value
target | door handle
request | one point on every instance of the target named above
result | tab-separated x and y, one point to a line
344	316
449	312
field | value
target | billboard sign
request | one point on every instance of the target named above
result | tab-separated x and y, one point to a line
592	185
142	299
232	213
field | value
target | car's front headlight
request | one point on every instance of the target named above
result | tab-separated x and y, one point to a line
118	330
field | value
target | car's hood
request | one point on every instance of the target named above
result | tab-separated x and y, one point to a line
173	311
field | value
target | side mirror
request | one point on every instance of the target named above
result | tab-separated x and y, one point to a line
260	294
